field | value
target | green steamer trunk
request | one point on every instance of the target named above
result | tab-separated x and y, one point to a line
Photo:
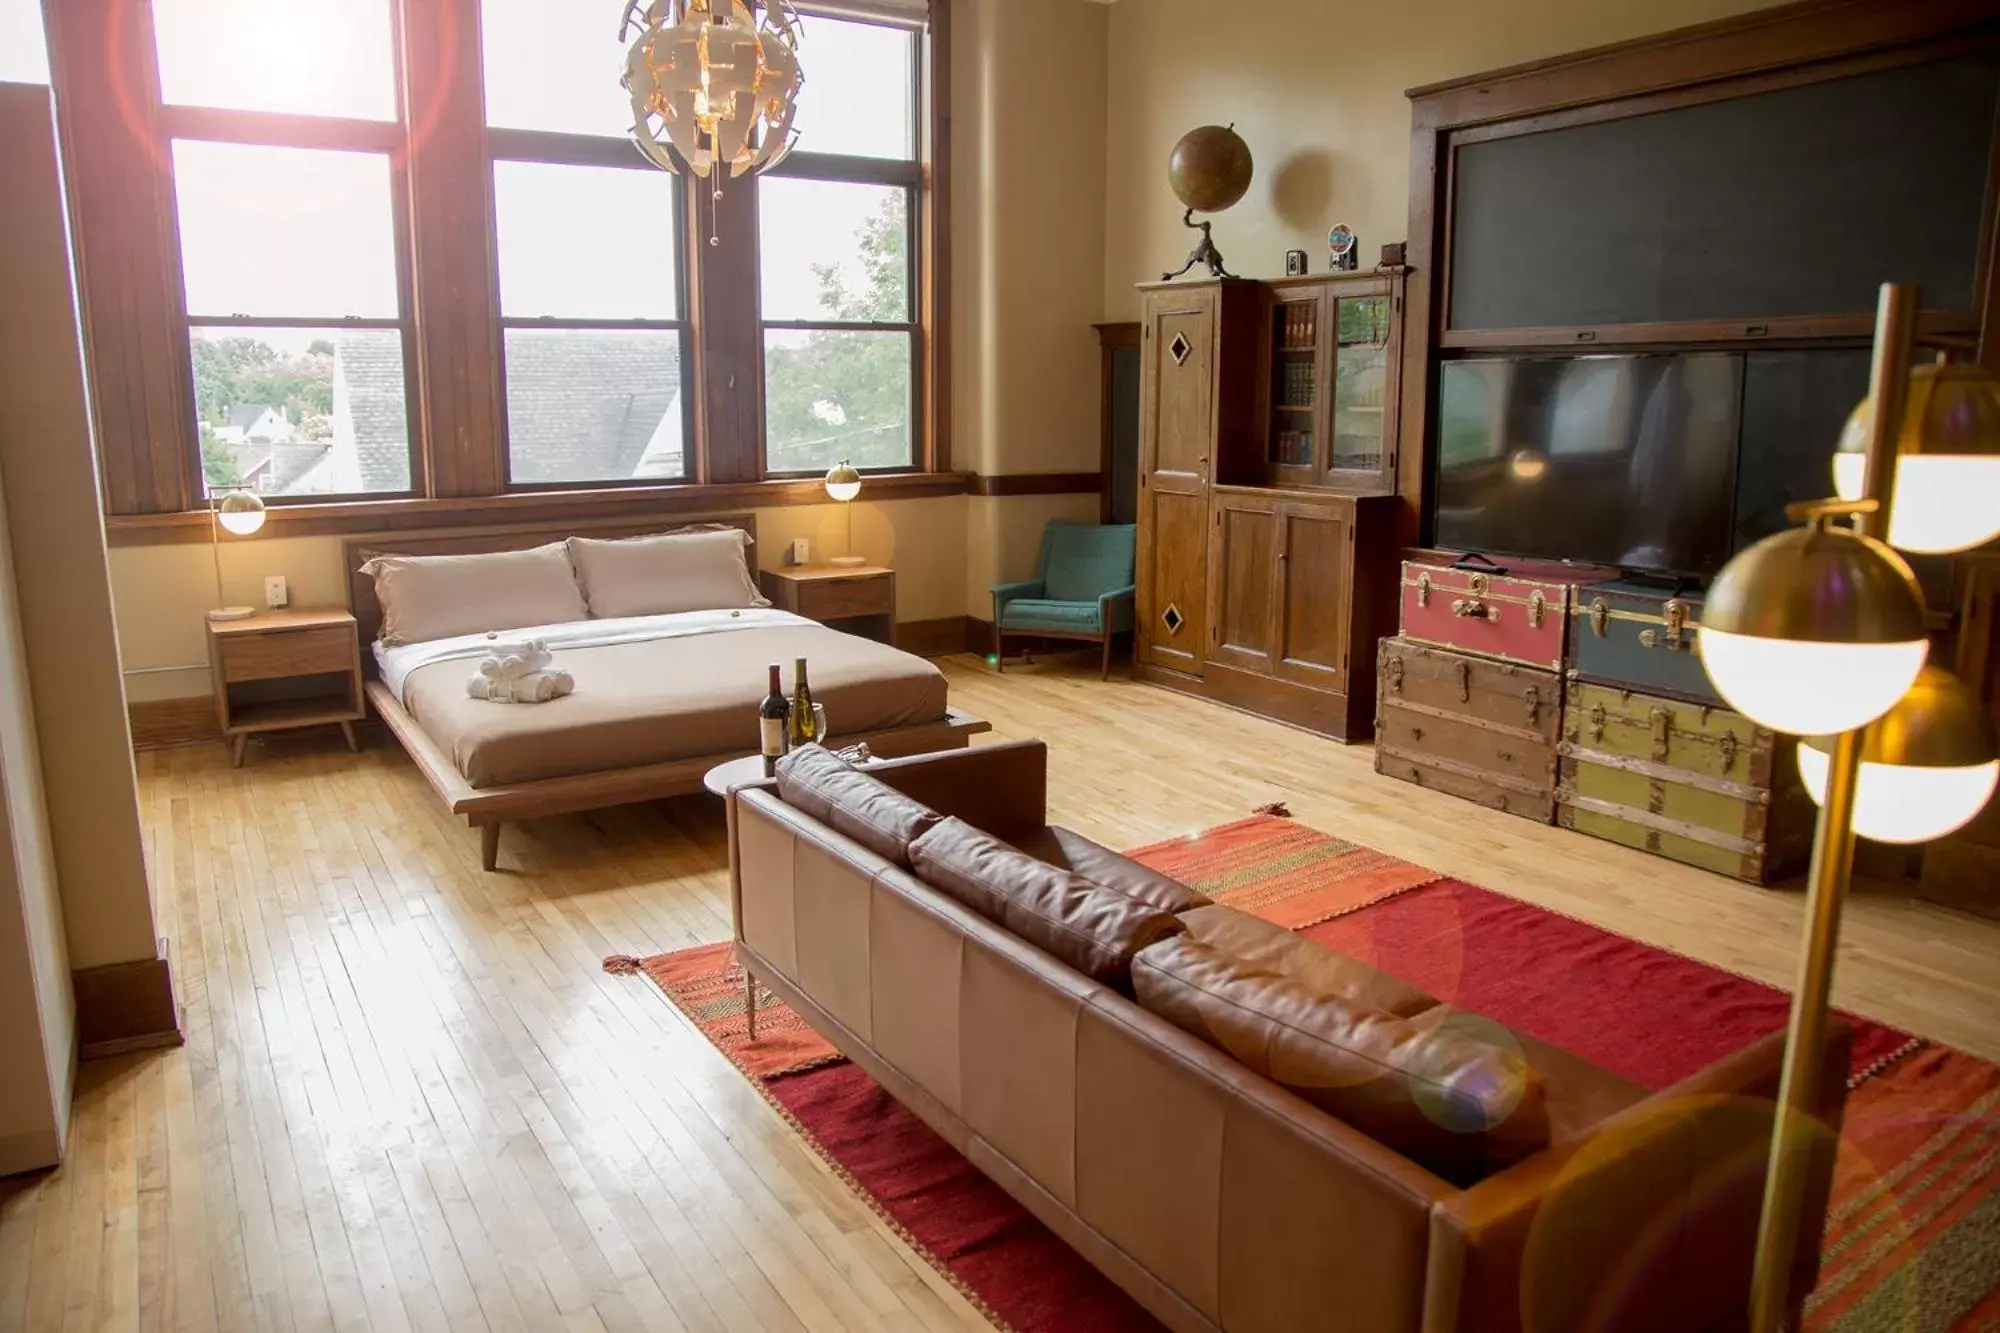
1691	782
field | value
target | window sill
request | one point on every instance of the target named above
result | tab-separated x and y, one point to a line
352	516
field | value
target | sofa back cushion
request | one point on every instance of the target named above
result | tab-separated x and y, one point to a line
1100	865
1091	928
813	780
1461	1107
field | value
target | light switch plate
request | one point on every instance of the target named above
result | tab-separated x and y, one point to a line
801	550
276	593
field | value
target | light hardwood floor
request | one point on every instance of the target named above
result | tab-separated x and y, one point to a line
411	1099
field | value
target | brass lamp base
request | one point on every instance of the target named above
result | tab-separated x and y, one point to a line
848	561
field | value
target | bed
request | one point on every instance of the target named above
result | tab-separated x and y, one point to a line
660	698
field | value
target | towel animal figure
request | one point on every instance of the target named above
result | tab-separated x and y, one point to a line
519	672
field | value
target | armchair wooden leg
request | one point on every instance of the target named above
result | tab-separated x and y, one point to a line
1107	657
999	648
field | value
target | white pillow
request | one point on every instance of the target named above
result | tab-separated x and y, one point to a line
427	597
699	569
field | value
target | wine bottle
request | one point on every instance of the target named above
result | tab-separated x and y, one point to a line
805	728
772	716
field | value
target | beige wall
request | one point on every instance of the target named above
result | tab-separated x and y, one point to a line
163	592
1316	90
57	534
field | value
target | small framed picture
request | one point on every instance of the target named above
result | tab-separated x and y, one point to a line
1295	263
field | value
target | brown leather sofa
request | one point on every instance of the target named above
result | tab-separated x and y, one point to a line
1220	1198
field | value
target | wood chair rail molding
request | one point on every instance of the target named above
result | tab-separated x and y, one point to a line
1766	50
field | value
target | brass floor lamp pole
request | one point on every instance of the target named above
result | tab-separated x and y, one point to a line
1796	1127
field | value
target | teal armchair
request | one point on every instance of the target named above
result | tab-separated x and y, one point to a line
1082	589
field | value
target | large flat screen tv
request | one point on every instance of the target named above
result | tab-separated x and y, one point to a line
1610	460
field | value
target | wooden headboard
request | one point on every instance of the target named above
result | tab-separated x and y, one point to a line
358	551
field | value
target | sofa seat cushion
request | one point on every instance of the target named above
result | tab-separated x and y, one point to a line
818	783
1314	966
1100	865
1041	613
1460	1107
1091	928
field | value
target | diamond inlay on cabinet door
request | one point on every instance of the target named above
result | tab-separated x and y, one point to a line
1172	618
1180	348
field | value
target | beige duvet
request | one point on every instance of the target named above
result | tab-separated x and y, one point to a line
667	699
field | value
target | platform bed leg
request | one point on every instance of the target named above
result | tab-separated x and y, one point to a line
489	846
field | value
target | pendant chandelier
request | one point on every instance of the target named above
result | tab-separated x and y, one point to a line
714	84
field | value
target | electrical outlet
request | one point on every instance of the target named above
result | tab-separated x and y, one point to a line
801	550
276	593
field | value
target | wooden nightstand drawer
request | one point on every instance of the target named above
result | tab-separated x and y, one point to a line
292	652
836	599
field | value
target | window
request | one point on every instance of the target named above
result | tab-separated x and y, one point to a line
836	261
401	255
24	56
588	246
288	266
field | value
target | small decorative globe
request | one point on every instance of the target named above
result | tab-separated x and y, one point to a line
1210	168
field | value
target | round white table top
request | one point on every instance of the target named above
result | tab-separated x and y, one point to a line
725	778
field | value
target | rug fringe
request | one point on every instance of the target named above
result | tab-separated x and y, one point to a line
623	965
1278	808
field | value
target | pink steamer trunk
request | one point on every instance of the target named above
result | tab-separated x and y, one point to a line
1519	616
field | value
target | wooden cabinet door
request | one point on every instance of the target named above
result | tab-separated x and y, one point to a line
1243	581
1315	591
1177	427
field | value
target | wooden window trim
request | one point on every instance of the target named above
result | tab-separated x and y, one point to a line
135	327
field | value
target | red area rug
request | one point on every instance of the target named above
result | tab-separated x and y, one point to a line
1913	1245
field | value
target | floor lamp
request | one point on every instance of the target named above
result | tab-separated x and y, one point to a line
1820	632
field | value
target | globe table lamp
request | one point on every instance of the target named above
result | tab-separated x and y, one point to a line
1821	631
843	483
242	513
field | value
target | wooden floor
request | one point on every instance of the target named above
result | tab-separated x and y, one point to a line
410	1098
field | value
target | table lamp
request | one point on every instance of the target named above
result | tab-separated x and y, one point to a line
843	483
242	513
1821	631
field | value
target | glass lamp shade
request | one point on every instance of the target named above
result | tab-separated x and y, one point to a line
843	482
241	512
1947	495
1814	631
1927	766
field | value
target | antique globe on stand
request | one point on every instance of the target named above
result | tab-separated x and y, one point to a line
1209	170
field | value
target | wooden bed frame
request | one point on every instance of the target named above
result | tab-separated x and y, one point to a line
488	808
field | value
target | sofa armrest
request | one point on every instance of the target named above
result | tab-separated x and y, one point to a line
1002	789
1110	605
1650	1220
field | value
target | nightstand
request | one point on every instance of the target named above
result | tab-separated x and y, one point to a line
860	599
283	669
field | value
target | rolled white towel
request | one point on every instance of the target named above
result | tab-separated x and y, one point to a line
536	688
510	658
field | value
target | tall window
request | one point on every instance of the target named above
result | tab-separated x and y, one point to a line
291	269
588	247
24	56
837	259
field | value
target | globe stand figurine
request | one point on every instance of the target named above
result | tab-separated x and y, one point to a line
1204	252
1209	170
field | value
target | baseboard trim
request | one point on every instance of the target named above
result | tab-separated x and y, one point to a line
122	1007
932	638
162	724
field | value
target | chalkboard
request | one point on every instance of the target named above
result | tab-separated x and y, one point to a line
1790	203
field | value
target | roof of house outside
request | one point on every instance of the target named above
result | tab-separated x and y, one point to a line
247	415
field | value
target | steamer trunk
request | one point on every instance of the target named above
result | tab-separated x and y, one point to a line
1692	782
1475	728
1639	638
1517	617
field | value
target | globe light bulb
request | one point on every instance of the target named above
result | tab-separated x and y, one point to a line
1814	631
1947	494
843	482
1894	803
240	512
1809	689
1928	765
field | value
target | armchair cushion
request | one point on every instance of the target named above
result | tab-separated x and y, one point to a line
1029	614
1083	561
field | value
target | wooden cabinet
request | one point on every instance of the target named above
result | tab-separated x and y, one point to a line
1331	384
280	670
1198	349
